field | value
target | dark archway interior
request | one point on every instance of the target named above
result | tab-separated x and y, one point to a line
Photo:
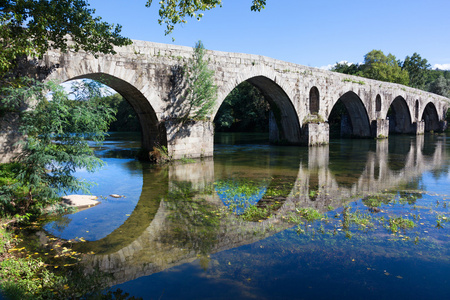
349	118
430	116
399	117
152	133
378	103
314	100
271	103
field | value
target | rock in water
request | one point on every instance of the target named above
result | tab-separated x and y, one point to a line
80	201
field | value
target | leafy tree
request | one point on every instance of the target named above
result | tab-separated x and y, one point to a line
441	86
345	68
173	12
126	119
417	69
244	109
58	142
31	27
200	92
385	68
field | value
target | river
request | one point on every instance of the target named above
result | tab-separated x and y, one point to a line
355	219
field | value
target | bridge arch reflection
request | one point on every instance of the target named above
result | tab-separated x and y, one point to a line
151	240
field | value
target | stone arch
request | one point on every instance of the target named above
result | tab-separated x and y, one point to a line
358	119
431	118
152	132
378	103
399	116
284	124
314	101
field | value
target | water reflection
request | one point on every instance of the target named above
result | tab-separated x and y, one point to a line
182	213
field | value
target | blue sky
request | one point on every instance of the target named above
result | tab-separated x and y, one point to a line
314	33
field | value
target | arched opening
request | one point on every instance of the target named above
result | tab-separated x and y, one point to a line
245	109
349	118
430	116
314	101
151	132
259	105
399	117
378	103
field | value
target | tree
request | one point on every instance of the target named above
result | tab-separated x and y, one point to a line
347	68
58	135
244	109
200	91
417	69
31	27
441	86
126	118
385	68
173	12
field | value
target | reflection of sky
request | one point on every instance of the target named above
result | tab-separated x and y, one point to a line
439	185
241	200
116	177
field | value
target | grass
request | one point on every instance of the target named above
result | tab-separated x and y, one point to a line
33	271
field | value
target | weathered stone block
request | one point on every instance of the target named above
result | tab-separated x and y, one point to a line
190	139
315	134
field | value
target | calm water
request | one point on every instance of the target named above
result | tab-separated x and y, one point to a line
235	226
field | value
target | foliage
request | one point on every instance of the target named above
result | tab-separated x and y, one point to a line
244	109
440	86
160	155
310	214
58	133
417	70
347	68
31	27
200	91
51	273
173	12
385	68
194	222
126	118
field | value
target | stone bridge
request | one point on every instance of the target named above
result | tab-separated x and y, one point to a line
301	98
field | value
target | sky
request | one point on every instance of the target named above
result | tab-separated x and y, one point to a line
316	33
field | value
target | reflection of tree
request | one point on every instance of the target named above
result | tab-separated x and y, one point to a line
193	221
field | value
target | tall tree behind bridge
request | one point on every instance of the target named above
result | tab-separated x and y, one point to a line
417	69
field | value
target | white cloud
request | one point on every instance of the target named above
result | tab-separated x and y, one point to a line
442	67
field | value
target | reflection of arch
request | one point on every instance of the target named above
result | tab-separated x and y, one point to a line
357	151
314	100
358	119
430	116
378	103
399	116
138	221
286	126
151	132
398	157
